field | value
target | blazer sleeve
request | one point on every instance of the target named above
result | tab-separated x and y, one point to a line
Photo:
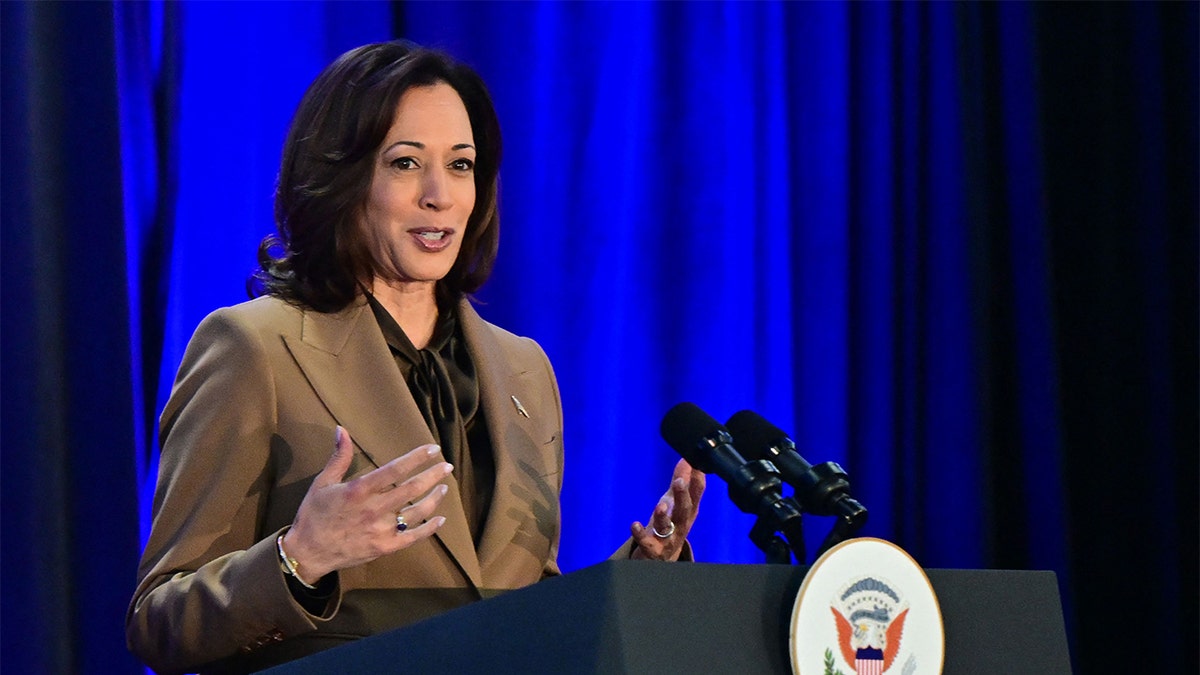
209	583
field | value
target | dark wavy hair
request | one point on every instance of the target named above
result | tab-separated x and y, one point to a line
320	256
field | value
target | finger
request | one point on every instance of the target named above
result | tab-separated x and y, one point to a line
415	534
398	470
680	494
661	518
648	546
682	470
644	543
696	487
424	507
418	485
685	507
339	462
642	534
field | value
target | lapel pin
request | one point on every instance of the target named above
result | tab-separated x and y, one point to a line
520	408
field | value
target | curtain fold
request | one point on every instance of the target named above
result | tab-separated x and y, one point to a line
146	66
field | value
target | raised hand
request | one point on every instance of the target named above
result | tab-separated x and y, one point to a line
672	517
341	524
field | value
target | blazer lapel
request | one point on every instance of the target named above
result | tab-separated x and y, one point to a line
347	361
514	447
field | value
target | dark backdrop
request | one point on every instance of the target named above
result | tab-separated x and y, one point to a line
951	246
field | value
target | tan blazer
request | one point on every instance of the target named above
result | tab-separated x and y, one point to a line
250	423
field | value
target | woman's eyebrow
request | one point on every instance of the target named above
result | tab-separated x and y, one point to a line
415	144
421	146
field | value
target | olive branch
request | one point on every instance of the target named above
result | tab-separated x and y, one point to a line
829	664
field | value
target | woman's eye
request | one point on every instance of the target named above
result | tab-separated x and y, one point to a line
462	165
404	163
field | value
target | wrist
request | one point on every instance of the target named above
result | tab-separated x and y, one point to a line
290	565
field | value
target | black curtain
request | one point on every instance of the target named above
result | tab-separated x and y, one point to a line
1119	86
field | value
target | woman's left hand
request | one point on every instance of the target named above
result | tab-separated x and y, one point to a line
672	517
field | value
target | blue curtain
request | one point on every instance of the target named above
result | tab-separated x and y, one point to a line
952	247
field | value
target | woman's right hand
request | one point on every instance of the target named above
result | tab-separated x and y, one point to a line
341	524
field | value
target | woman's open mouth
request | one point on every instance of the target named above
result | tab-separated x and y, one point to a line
432	239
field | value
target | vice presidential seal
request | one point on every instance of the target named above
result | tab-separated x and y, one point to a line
866	608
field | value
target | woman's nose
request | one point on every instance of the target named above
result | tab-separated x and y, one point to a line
435	194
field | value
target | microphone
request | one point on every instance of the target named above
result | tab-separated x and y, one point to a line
754	486
822	490
702	441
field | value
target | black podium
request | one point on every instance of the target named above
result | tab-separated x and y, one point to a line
645	617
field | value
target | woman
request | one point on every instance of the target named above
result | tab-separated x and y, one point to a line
357	449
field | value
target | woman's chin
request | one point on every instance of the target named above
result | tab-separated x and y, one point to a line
414	277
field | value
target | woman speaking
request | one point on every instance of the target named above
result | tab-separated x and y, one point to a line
356	449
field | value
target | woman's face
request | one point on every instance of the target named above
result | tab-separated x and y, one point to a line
423	187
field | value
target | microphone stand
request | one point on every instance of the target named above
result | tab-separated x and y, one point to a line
844	528
756	489
773	545
825	491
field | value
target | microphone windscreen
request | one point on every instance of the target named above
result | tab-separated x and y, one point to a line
753	434
684	426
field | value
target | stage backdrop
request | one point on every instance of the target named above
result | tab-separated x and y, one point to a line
952	247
